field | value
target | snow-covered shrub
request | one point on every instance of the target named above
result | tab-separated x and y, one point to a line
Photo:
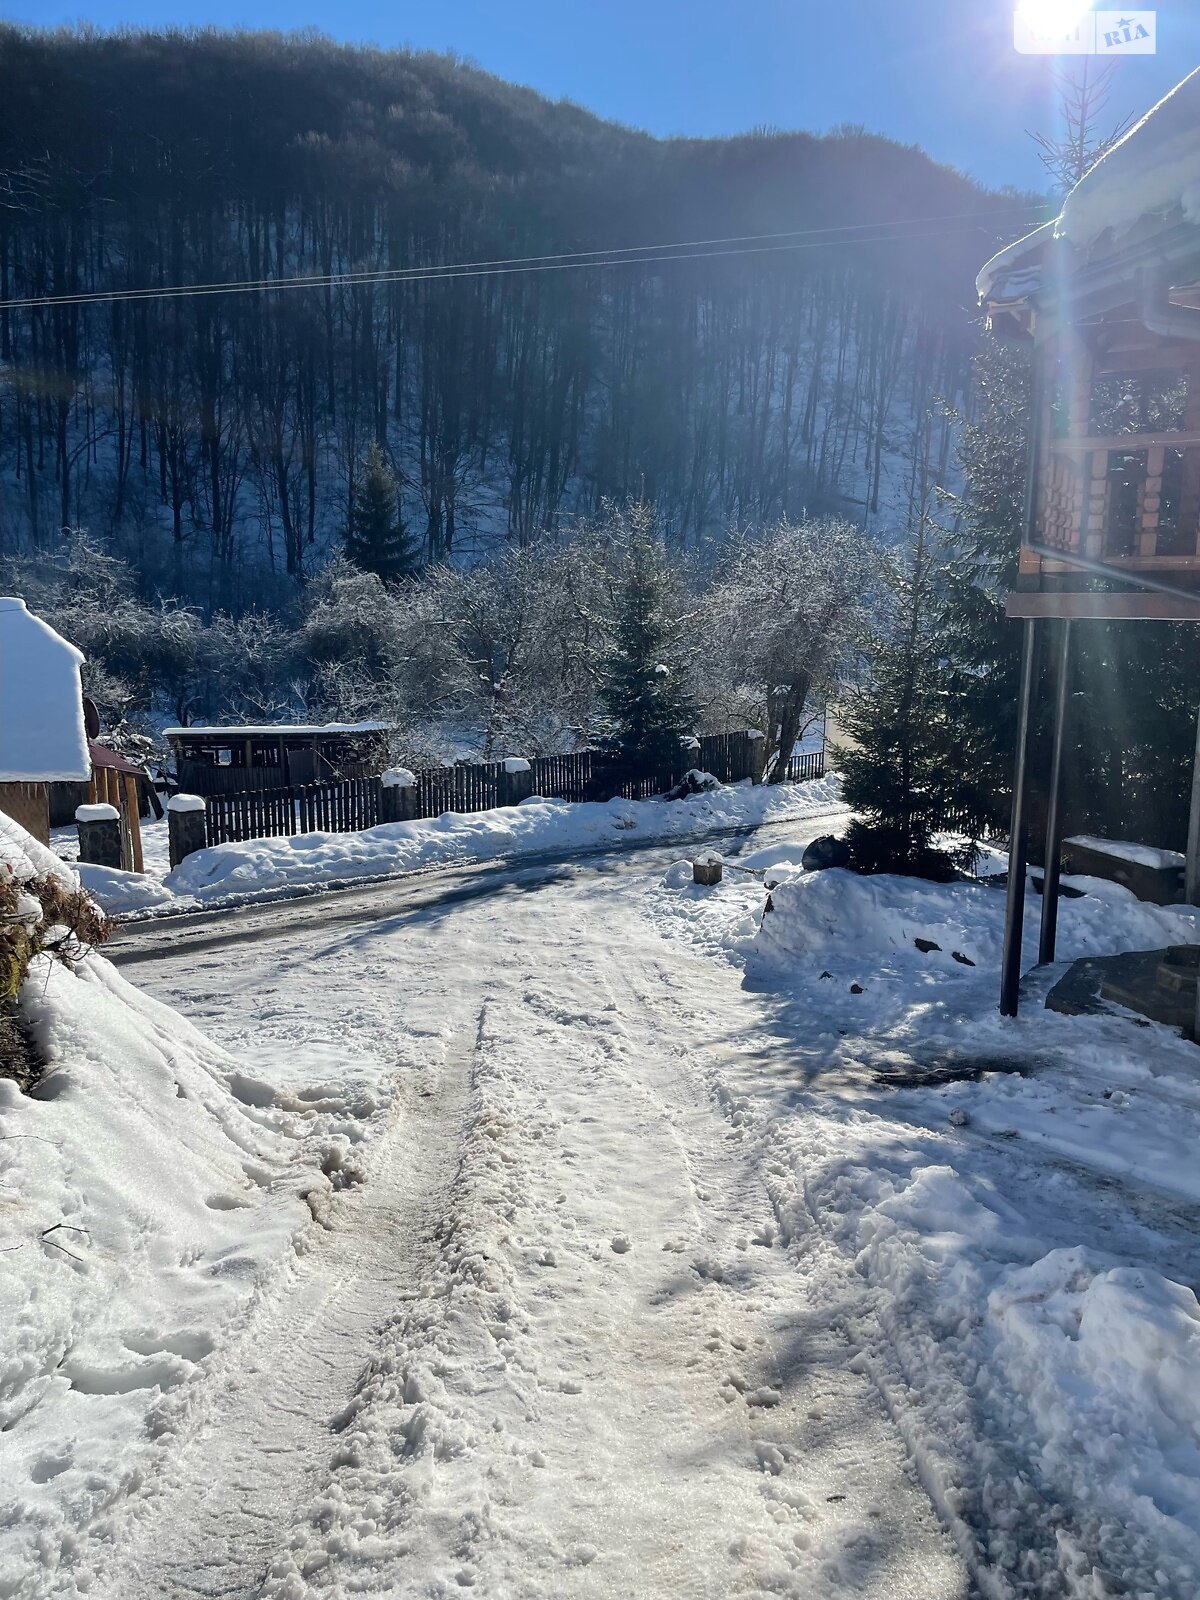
782	620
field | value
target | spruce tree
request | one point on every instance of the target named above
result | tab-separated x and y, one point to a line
376	538
893	774
982	646
643	687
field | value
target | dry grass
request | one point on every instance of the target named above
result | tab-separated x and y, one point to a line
69	926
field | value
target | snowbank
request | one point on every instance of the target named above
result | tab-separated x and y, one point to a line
863	920
26	857
151	1184
121	893
1017	1195
273	866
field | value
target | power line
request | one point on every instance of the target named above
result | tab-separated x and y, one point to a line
628	255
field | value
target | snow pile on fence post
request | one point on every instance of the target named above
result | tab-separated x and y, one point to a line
101	811
398	799
99	828
517	782
187	818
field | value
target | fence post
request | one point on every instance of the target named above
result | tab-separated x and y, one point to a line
99	835
756	742
516	781
187	819
398	797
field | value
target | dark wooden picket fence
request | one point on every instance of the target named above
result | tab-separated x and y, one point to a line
357	803
344	807
804	768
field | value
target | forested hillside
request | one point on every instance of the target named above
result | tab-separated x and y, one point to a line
214	441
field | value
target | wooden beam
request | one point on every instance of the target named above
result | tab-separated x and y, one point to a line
1117	360
1124	564
1081	444
1133	607
133	810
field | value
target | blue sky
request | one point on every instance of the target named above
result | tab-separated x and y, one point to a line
939	73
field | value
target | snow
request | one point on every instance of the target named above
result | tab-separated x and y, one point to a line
514	764
186	802
154	1188
1006	1191
1152	171
260	867
1014	271
399	778
98	812
26	857
42	736
587	1362
122	893
1143	855
652	1259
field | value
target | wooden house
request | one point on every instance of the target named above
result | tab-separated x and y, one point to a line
227	760
43	739
1108	299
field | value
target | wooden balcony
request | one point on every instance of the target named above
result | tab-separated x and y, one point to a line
1125	501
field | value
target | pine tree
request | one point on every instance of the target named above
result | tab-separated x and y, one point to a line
376	538
894	773
643	686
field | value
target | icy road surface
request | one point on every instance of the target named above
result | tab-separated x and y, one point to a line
557	1343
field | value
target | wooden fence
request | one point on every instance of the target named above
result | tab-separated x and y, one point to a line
804	768
357	803
344	807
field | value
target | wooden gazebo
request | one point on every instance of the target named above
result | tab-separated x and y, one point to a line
1109	298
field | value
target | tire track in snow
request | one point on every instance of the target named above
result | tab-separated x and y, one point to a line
230	1495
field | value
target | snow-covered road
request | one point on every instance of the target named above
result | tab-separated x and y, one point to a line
565	1335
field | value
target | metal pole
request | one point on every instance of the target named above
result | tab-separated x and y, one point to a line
1014	910
1049	932
1191	879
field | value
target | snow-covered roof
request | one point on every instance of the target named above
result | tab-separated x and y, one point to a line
42	735
1014	271
1153	171
268	730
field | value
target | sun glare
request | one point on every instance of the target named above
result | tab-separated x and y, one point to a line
1053	16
